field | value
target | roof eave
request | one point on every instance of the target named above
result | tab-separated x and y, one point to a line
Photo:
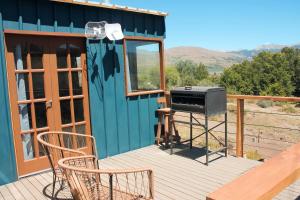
113	7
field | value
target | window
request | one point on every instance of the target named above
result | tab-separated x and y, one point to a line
143	66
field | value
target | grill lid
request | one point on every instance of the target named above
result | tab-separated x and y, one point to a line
199	89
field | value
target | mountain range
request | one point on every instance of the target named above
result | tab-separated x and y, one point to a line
215	60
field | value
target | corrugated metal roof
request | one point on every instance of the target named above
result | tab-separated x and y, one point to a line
113	6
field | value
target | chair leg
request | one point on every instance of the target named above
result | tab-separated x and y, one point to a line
158	133
62	184
166	134
53	185
177	136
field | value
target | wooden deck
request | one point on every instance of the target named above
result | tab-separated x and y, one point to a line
181	176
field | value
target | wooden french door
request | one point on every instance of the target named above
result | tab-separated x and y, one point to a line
48	92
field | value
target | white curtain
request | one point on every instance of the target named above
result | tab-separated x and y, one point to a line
23	109
128	76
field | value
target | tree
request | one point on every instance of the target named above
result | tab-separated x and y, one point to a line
191	73
293	57
172	77
201	72
267	74
274	75
238	79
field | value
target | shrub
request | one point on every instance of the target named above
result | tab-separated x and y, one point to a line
288	109
213	145
231	108
251	101
264	104
230	100
253	155
279	103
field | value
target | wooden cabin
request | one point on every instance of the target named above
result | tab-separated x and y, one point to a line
53	78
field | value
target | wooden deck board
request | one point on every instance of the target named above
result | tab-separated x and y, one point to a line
163	177
169	176
6	193
179	176
14	191
25	190
291	192
172	174
35	188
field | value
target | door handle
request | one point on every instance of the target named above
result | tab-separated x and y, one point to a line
49	104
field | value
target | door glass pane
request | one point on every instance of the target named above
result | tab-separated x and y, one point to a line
68	141
38	85
20	55
22	86
41	148
81	141
36	54
78	110
75	56
63	83
65	111
67	129
61	56
77	83
25	117
40	114
28	146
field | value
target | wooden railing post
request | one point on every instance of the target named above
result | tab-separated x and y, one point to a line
240	128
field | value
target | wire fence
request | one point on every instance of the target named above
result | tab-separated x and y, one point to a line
265	133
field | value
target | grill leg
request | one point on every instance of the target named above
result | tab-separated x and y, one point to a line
191	130
171	133
226	142
206	138
111	187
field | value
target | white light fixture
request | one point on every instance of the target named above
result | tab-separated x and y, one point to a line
100	30
114	31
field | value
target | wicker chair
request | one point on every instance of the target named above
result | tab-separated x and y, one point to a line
87	182
58	145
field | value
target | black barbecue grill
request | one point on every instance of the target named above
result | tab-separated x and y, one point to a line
208	101
205	100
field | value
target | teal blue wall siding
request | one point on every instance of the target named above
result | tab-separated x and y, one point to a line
119	123
7	158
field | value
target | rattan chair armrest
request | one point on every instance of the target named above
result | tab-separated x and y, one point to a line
70	133
100	171
39	138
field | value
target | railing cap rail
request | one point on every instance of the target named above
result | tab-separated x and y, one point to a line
271	98
254	97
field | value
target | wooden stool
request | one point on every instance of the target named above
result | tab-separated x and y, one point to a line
165	114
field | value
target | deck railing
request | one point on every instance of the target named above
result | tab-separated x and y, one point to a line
258	133
241	123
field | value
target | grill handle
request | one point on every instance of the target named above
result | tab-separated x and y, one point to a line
188	88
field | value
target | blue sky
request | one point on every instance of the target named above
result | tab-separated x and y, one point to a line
227	24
